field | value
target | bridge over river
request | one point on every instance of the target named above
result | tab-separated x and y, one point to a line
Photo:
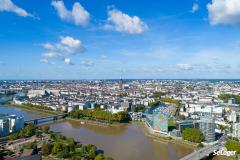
47	119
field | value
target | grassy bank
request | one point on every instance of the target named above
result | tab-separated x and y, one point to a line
33	109
96	122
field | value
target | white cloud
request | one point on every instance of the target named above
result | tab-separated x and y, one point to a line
224	11
9	6
87	63
122	22
78	14
45	60
184	66
195	8
50	54
67	46
68	61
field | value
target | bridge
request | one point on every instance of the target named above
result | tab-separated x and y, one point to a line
203	152
47	119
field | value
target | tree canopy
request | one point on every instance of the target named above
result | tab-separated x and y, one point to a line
192	135
98	114
233	146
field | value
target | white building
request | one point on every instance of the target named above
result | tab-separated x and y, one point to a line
236	130
232	117
4	126
210	109
36	93
125	105
15	123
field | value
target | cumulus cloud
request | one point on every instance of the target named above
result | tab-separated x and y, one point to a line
77	15
122	22
224	12
87	63
195	8
9	6
66	47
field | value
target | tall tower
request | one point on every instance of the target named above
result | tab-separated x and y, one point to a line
121	83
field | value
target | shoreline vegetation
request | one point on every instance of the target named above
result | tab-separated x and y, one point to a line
97	123
100	116
53	145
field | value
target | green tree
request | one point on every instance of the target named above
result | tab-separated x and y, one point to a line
192	135
233	146
45	128
63	154
46	148
57	147
99	157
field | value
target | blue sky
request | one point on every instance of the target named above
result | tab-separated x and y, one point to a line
92	39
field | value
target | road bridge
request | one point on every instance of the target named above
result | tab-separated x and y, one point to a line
203	152
47	119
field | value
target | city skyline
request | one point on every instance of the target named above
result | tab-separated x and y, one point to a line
109	40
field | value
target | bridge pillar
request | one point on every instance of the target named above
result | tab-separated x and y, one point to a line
55	118
35	122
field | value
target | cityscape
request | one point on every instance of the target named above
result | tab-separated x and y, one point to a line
119	80
197	113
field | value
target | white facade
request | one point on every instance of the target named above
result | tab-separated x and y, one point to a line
198	108
35	93
15	123
4	127
232	117
236	130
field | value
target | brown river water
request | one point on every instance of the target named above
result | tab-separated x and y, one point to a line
125	142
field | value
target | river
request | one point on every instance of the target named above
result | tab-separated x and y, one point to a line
126	142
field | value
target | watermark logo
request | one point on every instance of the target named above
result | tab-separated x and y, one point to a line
224	153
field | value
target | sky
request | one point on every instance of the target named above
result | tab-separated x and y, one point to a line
112	39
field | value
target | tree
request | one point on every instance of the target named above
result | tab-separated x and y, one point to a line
233	146
46	148
138	108
192	135
99	157
35	149
57	147
63	154
45	128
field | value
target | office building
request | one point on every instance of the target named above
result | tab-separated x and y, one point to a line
207	126
4	126
15	123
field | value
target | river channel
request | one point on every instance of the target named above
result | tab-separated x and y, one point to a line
125	142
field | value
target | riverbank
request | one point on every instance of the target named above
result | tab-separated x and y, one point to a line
35	110
167	139
97	123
